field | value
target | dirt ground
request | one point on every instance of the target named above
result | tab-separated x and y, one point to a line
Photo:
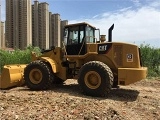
139	101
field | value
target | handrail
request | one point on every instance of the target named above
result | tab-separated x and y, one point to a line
64	47
85	41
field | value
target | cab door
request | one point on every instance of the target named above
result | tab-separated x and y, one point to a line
75	40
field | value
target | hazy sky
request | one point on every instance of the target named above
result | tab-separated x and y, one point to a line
136	21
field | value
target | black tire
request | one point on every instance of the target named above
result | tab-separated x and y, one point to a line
55	79
95	79
115	83
37	75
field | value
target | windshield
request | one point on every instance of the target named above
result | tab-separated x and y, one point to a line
74	34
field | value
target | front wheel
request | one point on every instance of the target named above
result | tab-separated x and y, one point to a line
37	75
95	79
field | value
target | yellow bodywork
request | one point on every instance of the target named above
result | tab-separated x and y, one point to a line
54	58
12	75
52	62
122	58
128	76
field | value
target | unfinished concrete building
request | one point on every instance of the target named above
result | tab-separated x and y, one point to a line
40	25
18	28
2	34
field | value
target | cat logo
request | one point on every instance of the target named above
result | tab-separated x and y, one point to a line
103	48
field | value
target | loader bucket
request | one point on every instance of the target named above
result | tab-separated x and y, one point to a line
12	75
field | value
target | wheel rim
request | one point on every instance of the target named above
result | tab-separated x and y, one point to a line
92	80
35	76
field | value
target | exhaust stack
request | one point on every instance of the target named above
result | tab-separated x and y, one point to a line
110	33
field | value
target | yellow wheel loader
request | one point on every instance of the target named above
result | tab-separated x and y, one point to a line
99	65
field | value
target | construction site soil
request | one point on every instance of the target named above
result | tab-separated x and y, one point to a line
139	101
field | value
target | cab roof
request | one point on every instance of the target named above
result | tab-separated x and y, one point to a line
82	23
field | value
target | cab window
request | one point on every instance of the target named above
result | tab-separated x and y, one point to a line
90	35
73	35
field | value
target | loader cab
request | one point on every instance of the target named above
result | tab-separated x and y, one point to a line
76	37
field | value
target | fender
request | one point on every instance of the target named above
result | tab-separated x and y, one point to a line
53	63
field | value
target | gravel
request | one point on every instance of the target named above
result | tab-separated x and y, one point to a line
140	101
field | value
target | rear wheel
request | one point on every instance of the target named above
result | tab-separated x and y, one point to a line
37	75
95	78
115	83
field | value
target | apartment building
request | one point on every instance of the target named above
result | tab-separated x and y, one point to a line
2	35
18	28
40	25
32	24
0	27
51	43
55	30
63	24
